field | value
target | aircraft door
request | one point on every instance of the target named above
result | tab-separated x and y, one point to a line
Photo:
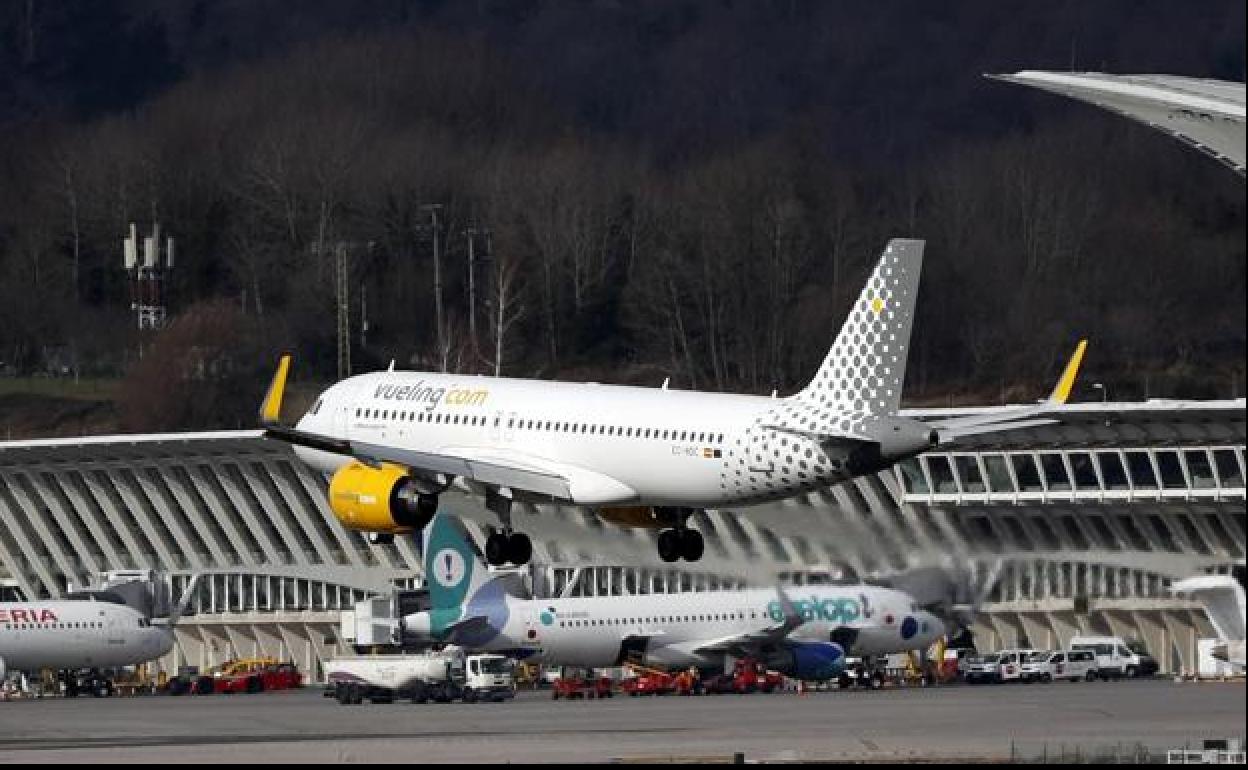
116	635
532	631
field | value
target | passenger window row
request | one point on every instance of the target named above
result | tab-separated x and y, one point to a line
556	426
49	626
713	618
1096	470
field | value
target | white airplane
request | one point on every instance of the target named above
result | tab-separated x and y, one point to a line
88	632
805	634
393	441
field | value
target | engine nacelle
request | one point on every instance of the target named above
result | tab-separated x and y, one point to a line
810	661
384	499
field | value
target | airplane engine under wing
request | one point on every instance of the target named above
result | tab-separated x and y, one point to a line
382	499
810	661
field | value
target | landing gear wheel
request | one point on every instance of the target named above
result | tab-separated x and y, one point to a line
669	545
691	545
496	549
519	548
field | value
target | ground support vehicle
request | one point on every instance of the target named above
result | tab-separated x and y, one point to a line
649	682
1115	658
245	675
747	676
441	676
574	683
1073	665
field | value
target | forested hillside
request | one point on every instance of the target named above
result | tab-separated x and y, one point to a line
664	188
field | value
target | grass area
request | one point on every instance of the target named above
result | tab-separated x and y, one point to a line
86	388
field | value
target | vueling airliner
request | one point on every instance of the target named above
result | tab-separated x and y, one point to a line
393	441
805	634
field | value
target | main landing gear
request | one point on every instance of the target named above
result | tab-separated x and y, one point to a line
507	545
680	542
675	544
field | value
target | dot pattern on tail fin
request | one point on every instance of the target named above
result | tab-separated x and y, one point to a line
860	379
866	366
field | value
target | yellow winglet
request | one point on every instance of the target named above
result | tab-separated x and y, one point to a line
271	407
1067	382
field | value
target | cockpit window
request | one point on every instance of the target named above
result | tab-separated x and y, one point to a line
316	407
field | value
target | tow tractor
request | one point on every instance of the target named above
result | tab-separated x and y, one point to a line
648	681
575	682
748	676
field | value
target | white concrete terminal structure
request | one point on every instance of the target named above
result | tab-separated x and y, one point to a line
1080	526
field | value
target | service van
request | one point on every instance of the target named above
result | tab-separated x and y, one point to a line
1114	658
1074	665
1010	664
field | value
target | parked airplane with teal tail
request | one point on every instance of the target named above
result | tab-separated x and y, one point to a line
804	632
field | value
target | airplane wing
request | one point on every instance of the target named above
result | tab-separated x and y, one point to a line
751	642
492	467
1015	419
466	627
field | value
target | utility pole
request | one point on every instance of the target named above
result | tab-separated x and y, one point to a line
472	288
344	318
433	209
472	232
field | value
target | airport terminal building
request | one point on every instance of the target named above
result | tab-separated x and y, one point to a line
1075	527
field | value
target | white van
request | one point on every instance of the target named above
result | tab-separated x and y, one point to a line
1074	665
1010	664
1114	659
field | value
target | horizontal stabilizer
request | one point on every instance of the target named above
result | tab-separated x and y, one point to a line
1016	419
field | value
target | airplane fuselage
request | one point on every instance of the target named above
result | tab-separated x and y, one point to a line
620	445
77	634
684	629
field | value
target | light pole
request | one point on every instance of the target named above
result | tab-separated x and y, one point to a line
1104	391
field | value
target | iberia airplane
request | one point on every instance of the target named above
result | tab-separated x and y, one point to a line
393	441
82	633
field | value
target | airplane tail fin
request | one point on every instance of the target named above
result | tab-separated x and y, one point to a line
454	570
865	368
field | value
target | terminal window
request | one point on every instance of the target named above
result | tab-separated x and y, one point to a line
1025	471
968	472
1228	468
1112	472
1141	468
1199	468
1171	471
998	474
1055	472
942	475
1084	471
